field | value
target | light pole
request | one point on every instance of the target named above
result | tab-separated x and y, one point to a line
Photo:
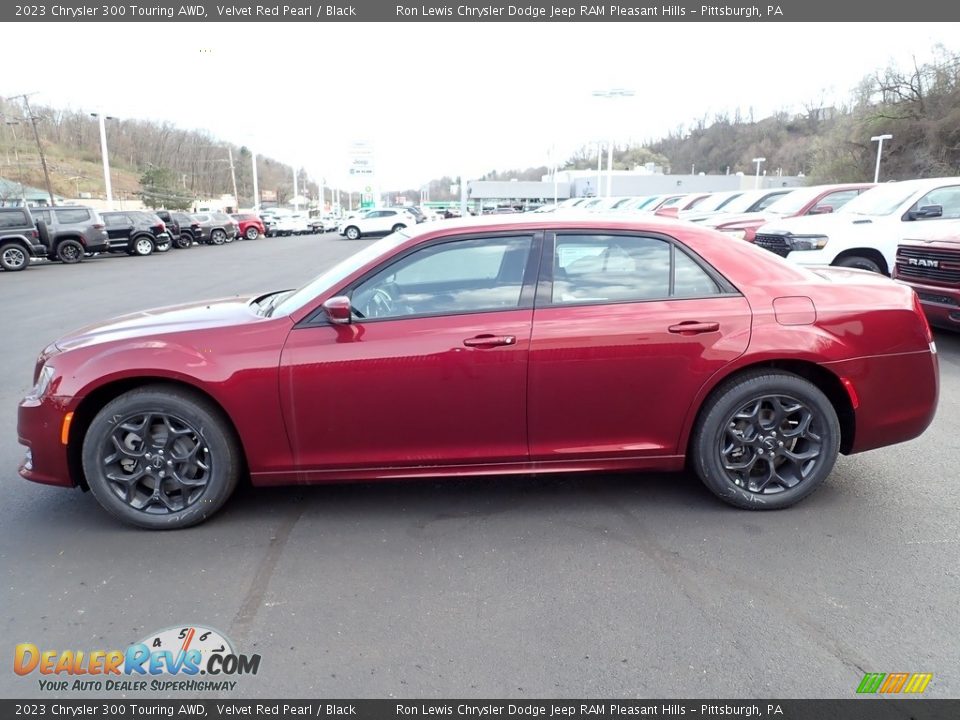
759	162
102	119
613	93
77	179
879	140
256	185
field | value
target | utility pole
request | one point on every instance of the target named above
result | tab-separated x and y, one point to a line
16	153
296	204
36	135
233	176
256	185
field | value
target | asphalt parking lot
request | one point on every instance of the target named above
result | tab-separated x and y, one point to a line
588	586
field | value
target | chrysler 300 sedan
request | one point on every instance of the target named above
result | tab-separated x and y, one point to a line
485	347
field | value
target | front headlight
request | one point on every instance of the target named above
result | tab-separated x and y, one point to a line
42	384
738	234
807	242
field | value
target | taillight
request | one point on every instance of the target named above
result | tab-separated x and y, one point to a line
162	226
918	308
35	233
195	226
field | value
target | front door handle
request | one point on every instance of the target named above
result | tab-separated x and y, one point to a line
692	327
488	340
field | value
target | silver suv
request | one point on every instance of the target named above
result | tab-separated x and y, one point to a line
75	231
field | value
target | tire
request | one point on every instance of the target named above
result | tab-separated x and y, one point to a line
398	227
218	237
860	263
164	246
14	257
202	450
229	238
738	427
251	233
70	252
142	246
184	241
352	233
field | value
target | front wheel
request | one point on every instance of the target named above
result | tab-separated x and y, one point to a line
13	258
765	440
860	263
161	458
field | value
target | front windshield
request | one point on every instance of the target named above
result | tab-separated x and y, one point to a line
338	273
794	202
714	202
881	200
742	203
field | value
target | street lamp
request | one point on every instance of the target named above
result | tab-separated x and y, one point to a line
77	179
758	161
102	119
612	93
879	140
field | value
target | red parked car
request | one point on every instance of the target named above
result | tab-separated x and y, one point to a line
814	200
932	269
494	346
249	225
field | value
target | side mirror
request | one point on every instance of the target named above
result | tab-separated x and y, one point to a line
927	211
821	210
338	310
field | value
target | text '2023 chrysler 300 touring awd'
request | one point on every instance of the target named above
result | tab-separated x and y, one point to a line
489	347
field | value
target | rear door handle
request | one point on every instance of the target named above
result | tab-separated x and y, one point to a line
488	340
692	327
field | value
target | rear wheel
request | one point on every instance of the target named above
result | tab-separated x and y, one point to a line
765	440
218	237
70	251
352	233
14	257
860	263
398	227
161	458
184	241
252	233
142	246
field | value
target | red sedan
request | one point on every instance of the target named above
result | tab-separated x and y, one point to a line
493	346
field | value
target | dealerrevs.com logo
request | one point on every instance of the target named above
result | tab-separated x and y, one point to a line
186	658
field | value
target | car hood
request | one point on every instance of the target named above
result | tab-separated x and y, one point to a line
161	321
823	224
754	218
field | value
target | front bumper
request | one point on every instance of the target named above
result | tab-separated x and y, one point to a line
39	424
940	304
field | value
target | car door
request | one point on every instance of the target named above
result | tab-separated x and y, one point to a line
431	371
627	329
119	226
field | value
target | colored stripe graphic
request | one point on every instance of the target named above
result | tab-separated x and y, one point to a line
871	682
890	683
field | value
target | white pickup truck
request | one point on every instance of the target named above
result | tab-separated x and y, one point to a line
865	232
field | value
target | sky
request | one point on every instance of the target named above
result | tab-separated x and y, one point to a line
434	99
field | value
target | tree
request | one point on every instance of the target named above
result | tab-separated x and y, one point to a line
158	190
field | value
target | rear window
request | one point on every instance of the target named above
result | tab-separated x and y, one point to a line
72	215
13	218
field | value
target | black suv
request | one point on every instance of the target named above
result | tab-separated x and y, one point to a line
74	231
19	239
182	228
136	232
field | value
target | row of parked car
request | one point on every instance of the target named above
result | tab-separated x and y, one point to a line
69	233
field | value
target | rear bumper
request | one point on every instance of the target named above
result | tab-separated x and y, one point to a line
39	423
897	396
